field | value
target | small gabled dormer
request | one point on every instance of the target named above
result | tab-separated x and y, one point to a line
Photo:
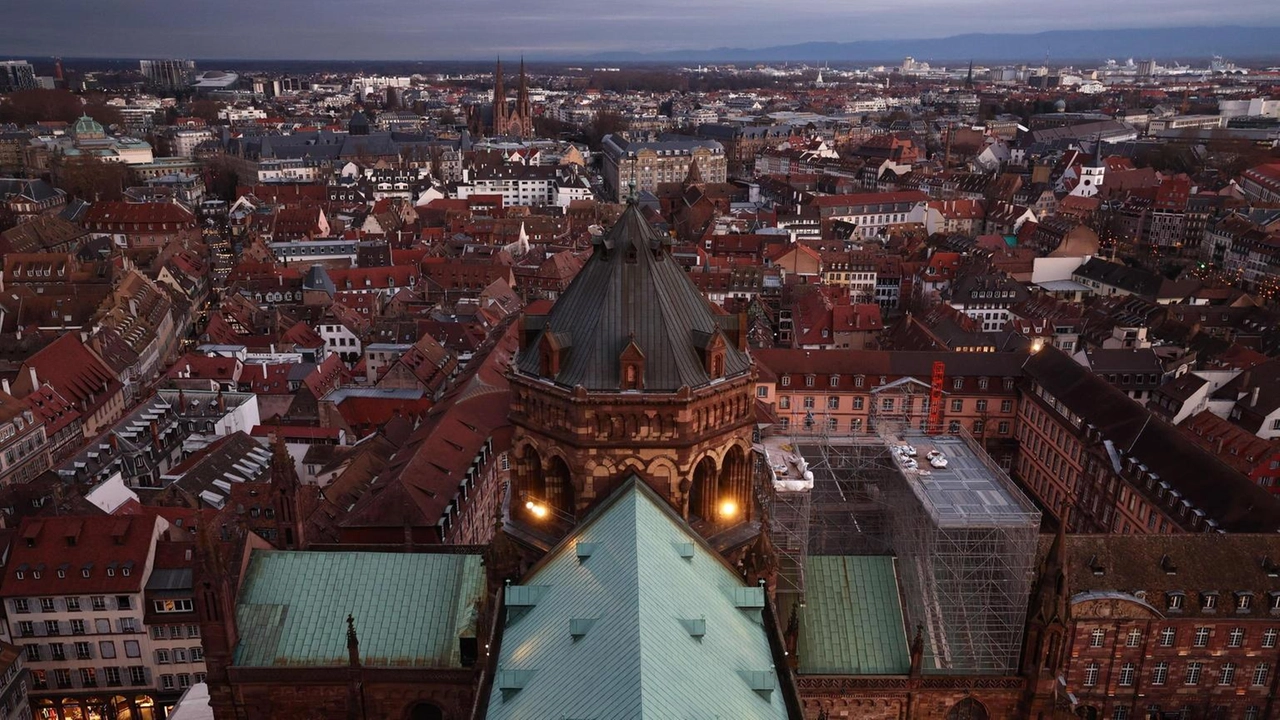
712	348
553	351
631	367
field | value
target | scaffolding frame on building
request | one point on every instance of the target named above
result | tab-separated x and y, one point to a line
966	542
843	511
965	576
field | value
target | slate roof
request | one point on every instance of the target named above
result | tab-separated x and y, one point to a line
637	606
631	290
410	609
852	622
1233	501
1133	280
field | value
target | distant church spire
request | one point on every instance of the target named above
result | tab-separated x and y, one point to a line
499	101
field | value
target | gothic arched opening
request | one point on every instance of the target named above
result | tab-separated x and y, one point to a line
733	491
702	493
425	711
968	709
558	484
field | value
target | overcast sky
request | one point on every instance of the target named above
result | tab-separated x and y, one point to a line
470	29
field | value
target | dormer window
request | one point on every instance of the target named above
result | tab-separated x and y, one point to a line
808	380
1209	601
20	575
62	573
111	572
834	381
1174	600
786	381
1244	601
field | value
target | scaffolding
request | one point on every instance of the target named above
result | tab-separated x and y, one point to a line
965	538
964	535
838	508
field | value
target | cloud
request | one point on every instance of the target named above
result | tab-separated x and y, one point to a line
440	29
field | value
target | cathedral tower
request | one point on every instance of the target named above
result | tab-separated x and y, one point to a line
633	372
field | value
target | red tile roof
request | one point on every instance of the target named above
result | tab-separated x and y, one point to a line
120	213
113	550
74	371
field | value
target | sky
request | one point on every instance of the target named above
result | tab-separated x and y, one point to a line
476	29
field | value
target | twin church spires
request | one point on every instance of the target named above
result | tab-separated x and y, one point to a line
508	121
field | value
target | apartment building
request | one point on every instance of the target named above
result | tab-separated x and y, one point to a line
82	624
1087	448
844	392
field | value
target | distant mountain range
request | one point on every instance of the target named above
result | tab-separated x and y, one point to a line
1180	43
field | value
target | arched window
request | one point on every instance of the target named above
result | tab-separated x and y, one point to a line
425	711
968	709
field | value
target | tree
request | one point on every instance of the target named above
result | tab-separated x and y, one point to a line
606	122
91	179
27	107
206	110
221	180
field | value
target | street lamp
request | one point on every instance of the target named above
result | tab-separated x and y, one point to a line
540	509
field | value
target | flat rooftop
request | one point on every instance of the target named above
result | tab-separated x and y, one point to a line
969	491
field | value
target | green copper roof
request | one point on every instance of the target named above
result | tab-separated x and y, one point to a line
86	125
852	621
633	629
409	609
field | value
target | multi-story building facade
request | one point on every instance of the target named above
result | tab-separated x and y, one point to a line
17	75
649	164
869	214
1087	449
73	591
168	74
15	683
24	451
842	392
1160	629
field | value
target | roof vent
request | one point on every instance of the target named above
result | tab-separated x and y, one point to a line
697	627
1270	567
748	598
579	627
762	682
1167	564
520	599
585	549
685	550
511	682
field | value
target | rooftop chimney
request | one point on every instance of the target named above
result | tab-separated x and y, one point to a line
1253	397
35	381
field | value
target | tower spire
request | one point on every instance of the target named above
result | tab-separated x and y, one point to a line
499	101
524	114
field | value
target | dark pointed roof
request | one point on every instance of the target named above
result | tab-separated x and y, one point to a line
695	174
317	278
631	290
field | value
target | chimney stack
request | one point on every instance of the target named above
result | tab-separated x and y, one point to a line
1253	398
35	381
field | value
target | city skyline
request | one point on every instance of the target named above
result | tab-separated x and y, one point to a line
399	30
